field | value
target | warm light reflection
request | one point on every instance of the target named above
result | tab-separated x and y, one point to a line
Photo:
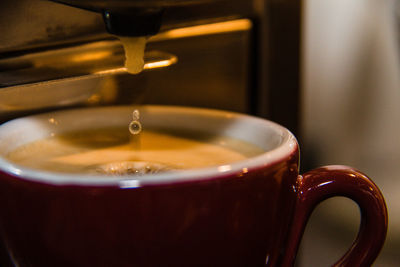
160	64
53	121
111	71
93	99
224	168
90	56
149	65
207	29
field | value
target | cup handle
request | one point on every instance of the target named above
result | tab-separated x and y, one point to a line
317	185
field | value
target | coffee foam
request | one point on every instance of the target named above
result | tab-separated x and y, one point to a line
130	168
277	141
113	152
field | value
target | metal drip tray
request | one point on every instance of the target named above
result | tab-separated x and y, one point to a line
112	4
79	62
65	76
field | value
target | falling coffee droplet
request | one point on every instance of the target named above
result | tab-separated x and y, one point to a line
136	115
135	128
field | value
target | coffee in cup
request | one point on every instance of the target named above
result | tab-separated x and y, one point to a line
115	151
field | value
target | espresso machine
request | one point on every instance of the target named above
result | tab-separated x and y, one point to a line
234	55
238	55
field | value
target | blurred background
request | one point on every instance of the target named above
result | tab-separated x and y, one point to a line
351	115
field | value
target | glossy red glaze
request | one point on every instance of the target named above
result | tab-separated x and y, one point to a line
248	219
320	184
231	221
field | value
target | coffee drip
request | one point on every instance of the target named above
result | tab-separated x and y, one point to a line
132	167
135	127
134	53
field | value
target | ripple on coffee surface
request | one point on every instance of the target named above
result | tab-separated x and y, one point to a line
111	152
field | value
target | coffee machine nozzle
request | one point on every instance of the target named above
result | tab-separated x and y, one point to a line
130	17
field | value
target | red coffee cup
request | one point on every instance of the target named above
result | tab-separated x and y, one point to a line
248	213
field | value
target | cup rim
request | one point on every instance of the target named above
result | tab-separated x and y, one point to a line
287	147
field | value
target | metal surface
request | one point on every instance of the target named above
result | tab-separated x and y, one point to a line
271	77
73	63
112	4
93	73
39	87
31	25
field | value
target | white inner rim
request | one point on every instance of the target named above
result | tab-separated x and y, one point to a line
275	139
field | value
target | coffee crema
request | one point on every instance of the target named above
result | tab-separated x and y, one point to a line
115	152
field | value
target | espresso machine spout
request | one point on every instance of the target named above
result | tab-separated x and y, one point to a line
131	18
134	22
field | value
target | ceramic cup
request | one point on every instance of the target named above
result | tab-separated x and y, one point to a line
248	213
